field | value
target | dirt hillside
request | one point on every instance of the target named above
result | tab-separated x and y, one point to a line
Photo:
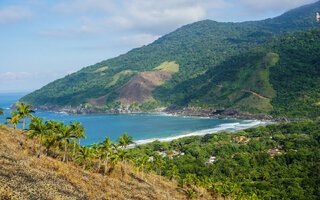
24	176
140	87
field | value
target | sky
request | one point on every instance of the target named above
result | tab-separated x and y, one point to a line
43	40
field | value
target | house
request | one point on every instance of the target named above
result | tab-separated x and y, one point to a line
273	152
241	139
211	160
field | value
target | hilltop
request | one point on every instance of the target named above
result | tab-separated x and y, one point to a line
24	176
160	74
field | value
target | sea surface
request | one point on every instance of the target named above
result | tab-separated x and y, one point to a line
143	128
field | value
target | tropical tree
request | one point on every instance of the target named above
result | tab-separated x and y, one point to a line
97	153
125	140
106	147
14	120
191	194
38	128
160	164
85	156
121	155
51	138
78	132
142	162
24	111
65	136
172	171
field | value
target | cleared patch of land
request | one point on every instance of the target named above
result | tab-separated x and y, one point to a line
168	66
140	86
98	102
101	69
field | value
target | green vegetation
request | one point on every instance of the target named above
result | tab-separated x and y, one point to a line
272	162
279	78
168	66
201	49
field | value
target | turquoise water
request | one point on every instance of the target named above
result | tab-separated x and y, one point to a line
142	127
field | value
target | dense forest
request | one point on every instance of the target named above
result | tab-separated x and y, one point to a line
273	162
283	74
201	49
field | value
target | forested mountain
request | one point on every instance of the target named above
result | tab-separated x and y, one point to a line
281	77
190	59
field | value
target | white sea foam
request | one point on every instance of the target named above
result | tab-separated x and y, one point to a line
231	127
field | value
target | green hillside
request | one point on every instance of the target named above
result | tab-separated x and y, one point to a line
200	50
281	78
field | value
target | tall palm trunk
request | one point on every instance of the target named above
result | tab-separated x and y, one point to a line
14	130
99	165
121	172
65	151
142	172
105	165
21	138
125	163
39	151
74	149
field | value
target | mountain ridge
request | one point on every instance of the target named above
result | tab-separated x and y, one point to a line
195	47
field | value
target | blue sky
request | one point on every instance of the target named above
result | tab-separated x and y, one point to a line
43	40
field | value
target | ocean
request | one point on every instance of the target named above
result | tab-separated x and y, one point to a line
144	128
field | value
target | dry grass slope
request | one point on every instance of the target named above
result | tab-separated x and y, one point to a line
24	176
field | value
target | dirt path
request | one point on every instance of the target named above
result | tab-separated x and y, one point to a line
254	93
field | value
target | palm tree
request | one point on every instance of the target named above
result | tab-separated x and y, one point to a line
125	140
159	163
24	111
106	147
58	131
38	128
97	153
172	172
142	162
1	112
52	137
14	120
65	136
84	156
121	155
78	132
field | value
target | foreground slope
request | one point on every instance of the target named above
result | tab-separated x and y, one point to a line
24	176
192	50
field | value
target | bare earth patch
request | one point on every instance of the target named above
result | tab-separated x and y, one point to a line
98	102
140	87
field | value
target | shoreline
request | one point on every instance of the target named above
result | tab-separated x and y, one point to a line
171	110
229	127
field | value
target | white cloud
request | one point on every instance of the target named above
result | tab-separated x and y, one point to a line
136	40
146	17
17	75
85	6
14	13
272	5
155	17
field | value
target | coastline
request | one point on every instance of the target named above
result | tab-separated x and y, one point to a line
171	110
230	127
